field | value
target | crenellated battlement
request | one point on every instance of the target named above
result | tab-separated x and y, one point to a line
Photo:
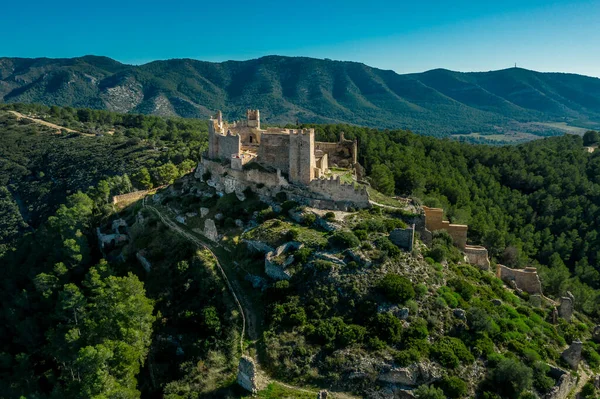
292	151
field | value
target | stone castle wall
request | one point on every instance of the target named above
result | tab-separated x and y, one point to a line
274	150
478	256
130	197
525	279
302	156
225	145
403	238
343	153
334	189
434	220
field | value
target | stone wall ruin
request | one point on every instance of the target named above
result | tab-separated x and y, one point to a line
434	220
477	255
524	279
403	238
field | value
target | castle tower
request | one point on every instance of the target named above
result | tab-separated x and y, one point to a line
302	156
253	117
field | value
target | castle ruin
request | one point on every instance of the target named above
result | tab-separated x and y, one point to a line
243	155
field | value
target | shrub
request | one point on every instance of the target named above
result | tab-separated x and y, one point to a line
438	253
292	235
288	205
329	216
361	234
309	219
420	290
385	244
451	351
344	239
281	197
479	320
510	377
266	214
396	288
407	357
301	256
589	391
323	265
388	327
453	387
429	392
541	381
461	286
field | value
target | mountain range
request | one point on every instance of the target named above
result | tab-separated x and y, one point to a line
290	89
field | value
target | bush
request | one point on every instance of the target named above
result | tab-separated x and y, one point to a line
329	216
396	288
388	327
429	392
292	235
301	256
453	387
266	214
288	205
343	240
438	253
323	265
309	219
589	391
450	352
281	197
510	377
461	286
361	234
385	244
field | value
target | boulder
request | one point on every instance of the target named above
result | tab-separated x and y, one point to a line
210	230
496	302
565	309
572	355
239	223
403	314
219	216
596	334
246	377
459	314
204	212
400	375
258	246
180	219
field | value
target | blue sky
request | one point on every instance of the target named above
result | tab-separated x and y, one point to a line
561	36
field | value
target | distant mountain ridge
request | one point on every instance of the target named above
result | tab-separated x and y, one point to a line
286	89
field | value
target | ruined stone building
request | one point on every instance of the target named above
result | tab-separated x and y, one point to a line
294	152
243	155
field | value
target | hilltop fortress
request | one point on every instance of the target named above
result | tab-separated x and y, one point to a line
242	155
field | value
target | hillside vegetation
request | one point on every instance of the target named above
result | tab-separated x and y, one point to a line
286	89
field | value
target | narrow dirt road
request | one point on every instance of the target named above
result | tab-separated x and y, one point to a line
251	320
48	124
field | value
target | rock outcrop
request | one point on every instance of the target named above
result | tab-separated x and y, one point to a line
246	377
565	309
210	230
572	355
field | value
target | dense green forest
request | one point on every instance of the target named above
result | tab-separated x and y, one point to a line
537	203
39	168
285	89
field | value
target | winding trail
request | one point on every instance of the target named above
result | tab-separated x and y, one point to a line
250	320
48	124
